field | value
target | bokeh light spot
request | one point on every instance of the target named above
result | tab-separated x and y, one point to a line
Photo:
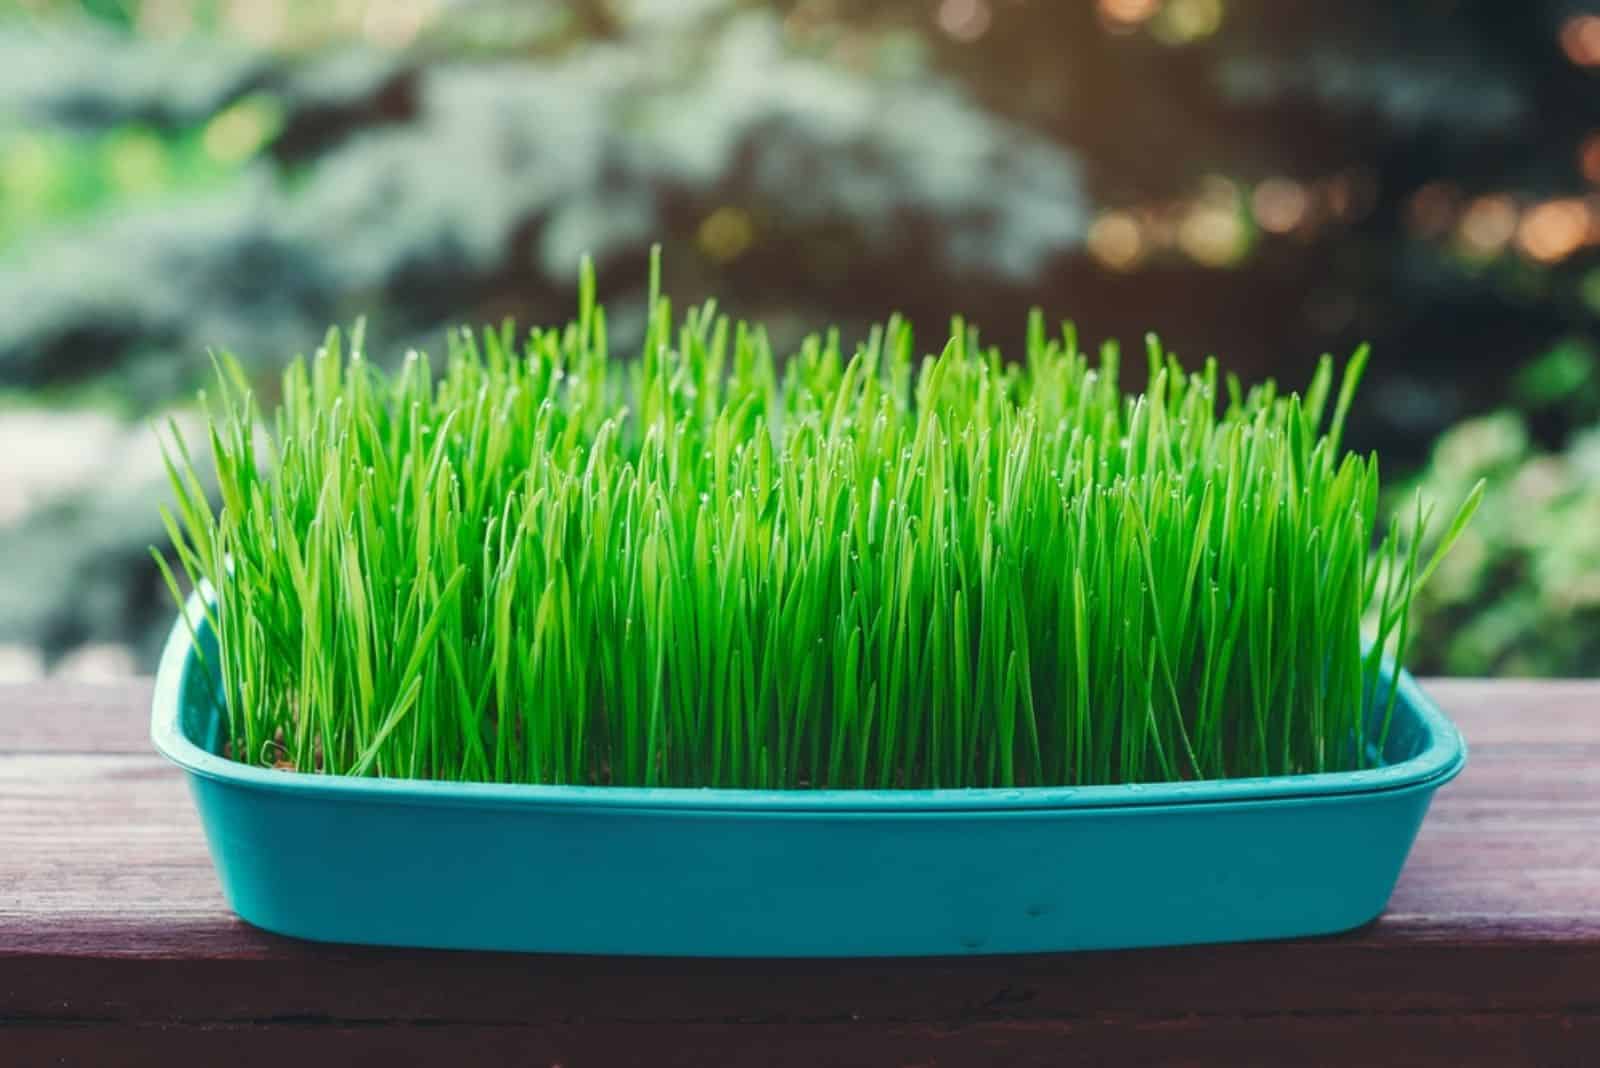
1183	21
1126	13
1212	236
965	20
236	133
1488	224
1280	205
1580	40
1116	241
726	233
1553	230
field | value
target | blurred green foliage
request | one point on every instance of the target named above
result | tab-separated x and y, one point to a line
52	176
1261	180
1520	595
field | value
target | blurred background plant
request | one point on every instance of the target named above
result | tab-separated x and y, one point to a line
1260	180
1520	595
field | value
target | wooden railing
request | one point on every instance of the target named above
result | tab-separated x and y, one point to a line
116	947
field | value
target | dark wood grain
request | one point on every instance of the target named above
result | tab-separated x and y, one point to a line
115	946
1337	1042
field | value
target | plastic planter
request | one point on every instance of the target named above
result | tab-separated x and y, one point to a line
574	869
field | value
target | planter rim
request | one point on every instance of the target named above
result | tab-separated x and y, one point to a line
1439	760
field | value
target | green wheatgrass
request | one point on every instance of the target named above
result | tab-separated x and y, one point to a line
860	570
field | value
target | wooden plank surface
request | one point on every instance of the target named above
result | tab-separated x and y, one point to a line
115	946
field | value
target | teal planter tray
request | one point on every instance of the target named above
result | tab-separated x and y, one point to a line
819	873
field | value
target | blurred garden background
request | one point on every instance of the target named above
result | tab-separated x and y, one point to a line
1256	180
